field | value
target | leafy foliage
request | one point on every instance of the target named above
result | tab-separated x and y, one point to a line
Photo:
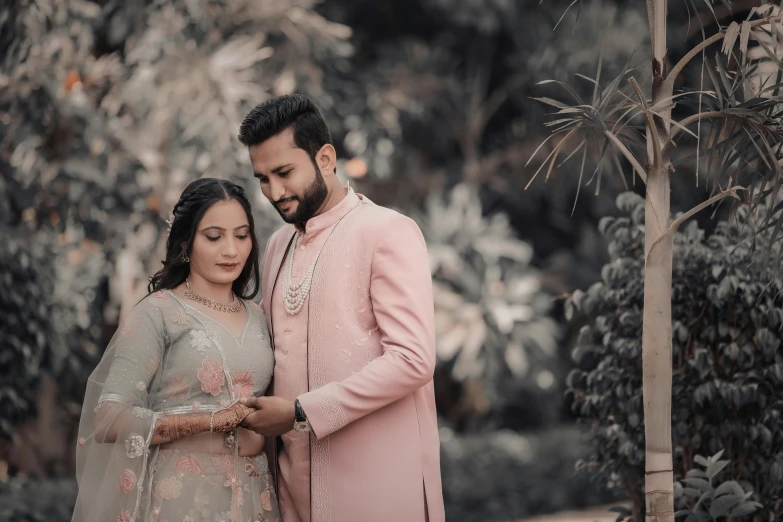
704	499
25	347
35	500
727	313
496	342
735	118
530	474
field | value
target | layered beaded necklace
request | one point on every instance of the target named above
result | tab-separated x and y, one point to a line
191	294
294	294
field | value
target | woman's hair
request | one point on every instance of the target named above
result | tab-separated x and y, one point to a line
194	202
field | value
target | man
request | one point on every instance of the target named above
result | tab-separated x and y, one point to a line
348	296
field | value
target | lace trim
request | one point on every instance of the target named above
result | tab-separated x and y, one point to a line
330	406
111	397
177	410
320	489
145	455
141	413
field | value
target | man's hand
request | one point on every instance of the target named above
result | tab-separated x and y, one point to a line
274	415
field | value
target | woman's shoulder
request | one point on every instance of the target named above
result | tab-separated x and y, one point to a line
154	304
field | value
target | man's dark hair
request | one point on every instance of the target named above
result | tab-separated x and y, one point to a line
291	111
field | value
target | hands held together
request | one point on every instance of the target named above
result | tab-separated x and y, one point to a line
268	416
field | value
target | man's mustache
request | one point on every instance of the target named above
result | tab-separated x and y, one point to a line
286	200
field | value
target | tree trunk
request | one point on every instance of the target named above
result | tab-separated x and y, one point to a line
657	319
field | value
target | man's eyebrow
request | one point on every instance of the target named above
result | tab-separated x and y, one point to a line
275	170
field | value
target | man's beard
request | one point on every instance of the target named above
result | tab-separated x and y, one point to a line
309	203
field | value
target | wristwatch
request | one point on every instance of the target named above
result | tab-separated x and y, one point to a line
301	424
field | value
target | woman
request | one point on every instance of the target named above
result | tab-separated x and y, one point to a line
159	439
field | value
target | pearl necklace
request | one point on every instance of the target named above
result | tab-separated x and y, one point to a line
191	294
294	294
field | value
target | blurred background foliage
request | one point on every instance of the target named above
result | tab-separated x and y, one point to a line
108	108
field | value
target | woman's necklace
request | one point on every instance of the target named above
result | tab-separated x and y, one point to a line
294	294
232	307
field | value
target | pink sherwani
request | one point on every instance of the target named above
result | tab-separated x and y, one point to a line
360	357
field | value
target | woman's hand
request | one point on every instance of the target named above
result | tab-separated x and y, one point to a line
229	418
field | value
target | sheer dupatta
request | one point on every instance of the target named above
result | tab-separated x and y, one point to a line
118	421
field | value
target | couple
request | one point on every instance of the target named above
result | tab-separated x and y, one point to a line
331	377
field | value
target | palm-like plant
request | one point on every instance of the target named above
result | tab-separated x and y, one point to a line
738	127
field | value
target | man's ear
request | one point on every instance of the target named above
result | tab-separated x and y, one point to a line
326	159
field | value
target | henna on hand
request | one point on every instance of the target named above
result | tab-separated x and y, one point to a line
174	427
229	418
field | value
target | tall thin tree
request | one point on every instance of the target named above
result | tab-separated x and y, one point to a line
739	135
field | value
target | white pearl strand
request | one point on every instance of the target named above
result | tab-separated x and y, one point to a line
294	294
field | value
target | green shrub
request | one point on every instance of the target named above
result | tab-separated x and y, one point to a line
699	497
728	365
26	334
37	500
505	475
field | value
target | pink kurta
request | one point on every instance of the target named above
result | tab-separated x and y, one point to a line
290	377
370	354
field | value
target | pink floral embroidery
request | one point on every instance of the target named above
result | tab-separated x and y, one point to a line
178	387
82	441
189	464
266	500
180	317
127	481
156	511
242	382
169	488
160	296
233	481
141	386
225	403
196	405
212	377
124	516
251	468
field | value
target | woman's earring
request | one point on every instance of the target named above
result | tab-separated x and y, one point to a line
186	259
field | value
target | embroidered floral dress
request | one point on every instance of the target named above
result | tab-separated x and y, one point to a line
169	358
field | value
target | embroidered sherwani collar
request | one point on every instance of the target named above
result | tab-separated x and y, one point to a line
332	216
314	225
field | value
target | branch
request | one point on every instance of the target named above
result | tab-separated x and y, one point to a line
729	192
627	153
691	119
668	84
656	143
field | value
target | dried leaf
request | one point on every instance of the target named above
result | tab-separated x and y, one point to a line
731	38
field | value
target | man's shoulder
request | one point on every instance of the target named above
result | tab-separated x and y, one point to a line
375	216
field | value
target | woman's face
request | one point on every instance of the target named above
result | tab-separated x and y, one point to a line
222	243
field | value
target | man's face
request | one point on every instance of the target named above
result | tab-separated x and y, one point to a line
289	178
